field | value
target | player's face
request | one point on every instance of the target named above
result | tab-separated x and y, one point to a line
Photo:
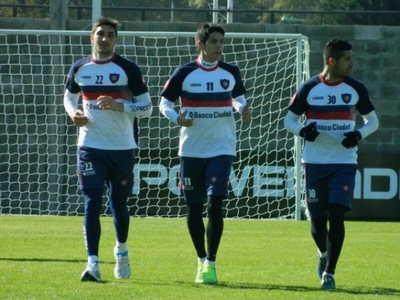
103	40
211	51
344	64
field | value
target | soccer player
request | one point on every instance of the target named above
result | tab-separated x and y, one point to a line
208	89
330	102
113	94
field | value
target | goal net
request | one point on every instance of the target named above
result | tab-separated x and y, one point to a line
38	140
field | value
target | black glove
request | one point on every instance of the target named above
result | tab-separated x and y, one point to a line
309	132
351	139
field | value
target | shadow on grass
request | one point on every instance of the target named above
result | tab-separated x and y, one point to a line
360	290
41	260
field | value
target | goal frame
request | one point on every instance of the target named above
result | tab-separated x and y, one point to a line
302	74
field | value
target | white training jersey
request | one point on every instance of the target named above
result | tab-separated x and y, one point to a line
122	80
207	95
334	108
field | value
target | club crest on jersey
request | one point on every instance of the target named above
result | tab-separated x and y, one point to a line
114	77
224	83
346	98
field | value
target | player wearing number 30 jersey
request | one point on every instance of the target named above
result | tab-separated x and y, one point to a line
330	102
333	106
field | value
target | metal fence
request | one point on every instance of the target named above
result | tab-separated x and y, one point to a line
188	14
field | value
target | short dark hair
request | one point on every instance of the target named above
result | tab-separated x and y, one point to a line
204	31
335	49
105	21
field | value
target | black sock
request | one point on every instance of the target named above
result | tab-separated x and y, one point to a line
215	225
336	235
319	232
196	227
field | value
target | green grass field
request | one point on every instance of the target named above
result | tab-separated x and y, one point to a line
43	257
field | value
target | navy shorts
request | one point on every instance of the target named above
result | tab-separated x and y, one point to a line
201	177
97	167
328	183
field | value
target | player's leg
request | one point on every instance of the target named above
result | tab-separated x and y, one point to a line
192	185
196	227
91	176
120	182
214	229
341	187
91	220
334	244
92	232
215	225
316	179
195	224
336	235
319	233
217	178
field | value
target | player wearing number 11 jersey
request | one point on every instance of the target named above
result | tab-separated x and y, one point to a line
208	89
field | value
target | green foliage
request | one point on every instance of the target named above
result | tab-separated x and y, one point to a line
43	257
295	5
363	6
249	11
199	3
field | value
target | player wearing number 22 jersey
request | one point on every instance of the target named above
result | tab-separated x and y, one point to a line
120	79
113	94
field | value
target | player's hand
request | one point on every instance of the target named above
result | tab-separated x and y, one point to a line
183	120
79	118
108	103
246	114
351	139
309	132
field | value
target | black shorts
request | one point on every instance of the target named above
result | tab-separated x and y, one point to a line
201	177
97	167
329	183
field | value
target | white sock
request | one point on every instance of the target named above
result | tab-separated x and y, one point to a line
93	259
201	260
211	263
122	247
322	254
325	273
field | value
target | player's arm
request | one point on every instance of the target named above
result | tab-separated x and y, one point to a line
291	123
71	106
308	132
352	138
141	107
371	124
240	105
167	109
367	112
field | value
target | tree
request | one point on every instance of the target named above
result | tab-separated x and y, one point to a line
246	11
249	11
364	6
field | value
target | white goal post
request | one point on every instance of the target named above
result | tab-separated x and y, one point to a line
38	150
